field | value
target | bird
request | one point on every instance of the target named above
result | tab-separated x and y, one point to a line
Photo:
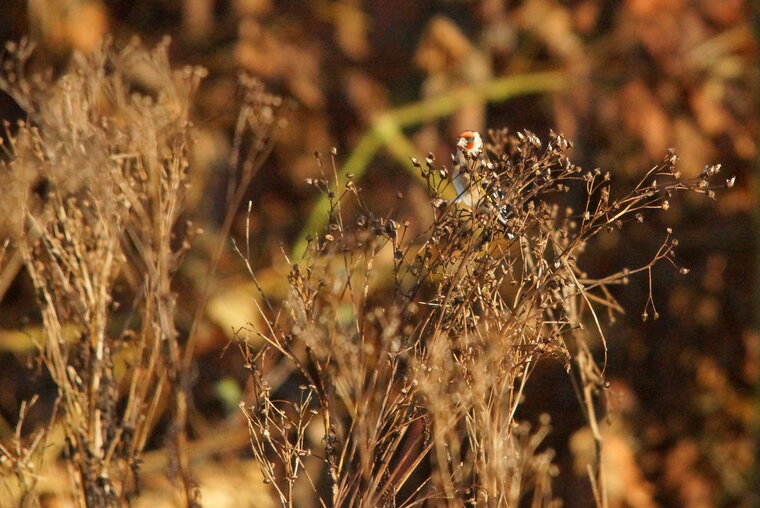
469	147
471	188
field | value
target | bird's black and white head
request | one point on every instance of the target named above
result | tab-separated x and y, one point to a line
470	144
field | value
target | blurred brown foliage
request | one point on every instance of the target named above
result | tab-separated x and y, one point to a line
645	75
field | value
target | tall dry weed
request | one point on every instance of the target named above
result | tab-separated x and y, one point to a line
95	181
416	389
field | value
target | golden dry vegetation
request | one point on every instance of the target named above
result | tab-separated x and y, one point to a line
233	273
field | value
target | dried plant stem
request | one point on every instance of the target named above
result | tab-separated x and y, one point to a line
421	393
114	164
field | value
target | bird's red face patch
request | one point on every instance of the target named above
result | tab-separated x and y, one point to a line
467	140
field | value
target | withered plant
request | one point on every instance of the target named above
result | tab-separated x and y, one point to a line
96	177
95	181
393	373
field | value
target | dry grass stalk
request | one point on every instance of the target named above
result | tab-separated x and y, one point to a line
418	390
21	460
99	171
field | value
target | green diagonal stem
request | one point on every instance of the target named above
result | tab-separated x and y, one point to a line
386	130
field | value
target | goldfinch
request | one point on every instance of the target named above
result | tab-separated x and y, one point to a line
472	190
469	147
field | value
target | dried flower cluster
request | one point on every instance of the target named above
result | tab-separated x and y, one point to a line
96	182
97	176
416	389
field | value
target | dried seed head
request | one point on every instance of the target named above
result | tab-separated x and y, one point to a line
711	170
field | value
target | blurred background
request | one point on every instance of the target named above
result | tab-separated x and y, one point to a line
625	80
